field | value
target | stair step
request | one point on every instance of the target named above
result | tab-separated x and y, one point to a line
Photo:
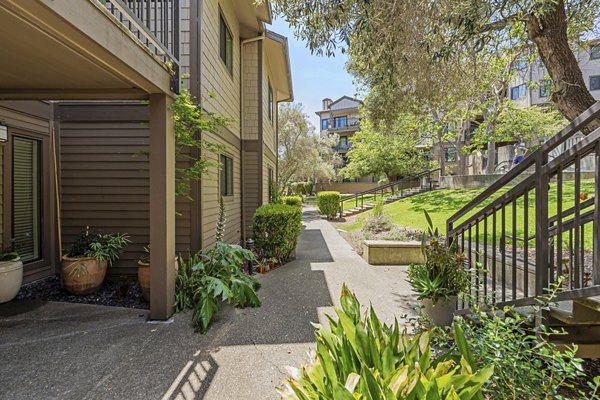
572	313
592	303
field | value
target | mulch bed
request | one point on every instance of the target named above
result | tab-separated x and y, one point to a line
115	292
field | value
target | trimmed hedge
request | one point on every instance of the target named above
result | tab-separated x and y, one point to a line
292	200
276	229
307	189
328	203
297	188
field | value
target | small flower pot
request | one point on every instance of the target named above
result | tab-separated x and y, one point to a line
11	278
442	312
82	275
144	279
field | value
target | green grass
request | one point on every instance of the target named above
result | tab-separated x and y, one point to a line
442	204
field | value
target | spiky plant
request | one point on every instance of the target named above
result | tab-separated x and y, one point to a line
221	221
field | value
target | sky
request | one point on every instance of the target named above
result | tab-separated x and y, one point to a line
314	77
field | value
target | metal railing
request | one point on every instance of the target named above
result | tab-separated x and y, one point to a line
333	125
397	187
155	23
522	235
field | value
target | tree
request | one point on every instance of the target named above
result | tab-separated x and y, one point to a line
388	149
303	154
396	46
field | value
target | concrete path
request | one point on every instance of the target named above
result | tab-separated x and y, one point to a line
71	351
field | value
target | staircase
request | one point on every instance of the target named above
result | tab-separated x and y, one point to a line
527	235
390	192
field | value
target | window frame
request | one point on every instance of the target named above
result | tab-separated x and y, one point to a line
518	87
545	87
324	124
597	79
226	176
340	118
595	52
270	99
225	52
450	151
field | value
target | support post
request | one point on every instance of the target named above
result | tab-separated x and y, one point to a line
162	207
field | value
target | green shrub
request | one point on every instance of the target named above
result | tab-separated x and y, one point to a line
378	220
307	188
328	203
276	229
101	246
359	358
212	276
292	200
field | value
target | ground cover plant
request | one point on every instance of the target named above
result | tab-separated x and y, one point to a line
358	357
213	276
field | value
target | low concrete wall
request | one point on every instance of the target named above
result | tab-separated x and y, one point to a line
346	187
392	252
482	181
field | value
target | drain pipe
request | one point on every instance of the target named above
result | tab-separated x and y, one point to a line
260	37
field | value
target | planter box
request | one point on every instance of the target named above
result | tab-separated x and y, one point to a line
392	252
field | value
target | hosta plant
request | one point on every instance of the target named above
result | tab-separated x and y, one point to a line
358	357
213	276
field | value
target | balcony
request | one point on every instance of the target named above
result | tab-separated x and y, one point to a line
341	125
342	147
97	50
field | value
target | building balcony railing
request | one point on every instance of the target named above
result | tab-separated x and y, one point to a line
155	23
342	147
334	125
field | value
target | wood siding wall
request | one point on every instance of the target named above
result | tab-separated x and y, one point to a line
104	184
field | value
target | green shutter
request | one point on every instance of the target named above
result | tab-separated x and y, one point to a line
26	198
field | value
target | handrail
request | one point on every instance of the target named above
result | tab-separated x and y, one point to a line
388	185
383	188
567	132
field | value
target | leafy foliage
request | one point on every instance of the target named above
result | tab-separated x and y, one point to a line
292	200
103	247
443	275
209	277
220	231
303	153
328	203
276	229
360	358
8	255
378	220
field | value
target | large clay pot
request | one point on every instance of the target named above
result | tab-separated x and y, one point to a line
82	275
11	278
144	279
442	312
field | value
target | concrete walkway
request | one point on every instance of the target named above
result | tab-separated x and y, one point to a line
71	351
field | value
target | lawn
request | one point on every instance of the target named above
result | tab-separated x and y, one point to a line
442	204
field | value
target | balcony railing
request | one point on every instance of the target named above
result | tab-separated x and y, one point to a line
155	23
342	147
334	125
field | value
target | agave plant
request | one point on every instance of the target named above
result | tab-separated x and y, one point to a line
358	357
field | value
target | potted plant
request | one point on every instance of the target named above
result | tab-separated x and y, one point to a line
11	275
144	273
84	266
440	279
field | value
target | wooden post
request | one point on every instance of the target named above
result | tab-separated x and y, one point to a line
162	207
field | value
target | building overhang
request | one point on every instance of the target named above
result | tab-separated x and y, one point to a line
253	16
277	52
54	51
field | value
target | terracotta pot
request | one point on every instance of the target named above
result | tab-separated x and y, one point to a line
441	313
82	275
11	278
144	279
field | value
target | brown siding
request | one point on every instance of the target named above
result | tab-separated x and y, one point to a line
104	184
251	177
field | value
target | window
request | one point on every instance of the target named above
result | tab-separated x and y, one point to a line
520	64
595	82
545	89
324	124
340	122
270	102
595	53
225	44
450	154
343	142
226	180
518	92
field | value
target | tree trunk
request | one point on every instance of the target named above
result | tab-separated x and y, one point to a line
491	158
549	33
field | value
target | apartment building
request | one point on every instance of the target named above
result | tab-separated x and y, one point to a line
74	117
342	117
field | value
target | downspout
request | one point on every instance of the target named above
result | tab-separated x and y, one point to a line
260	37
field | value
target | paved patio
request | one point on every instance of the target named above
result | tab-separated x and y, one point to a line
71	351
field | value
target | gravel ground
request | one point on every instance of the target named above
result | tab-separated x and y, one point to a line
117	292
